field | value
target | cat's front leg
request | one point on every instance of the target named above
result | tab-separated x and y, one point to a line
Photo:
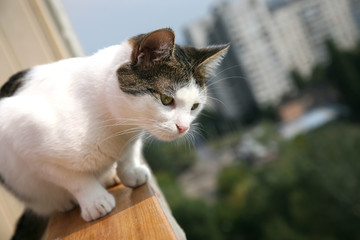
109	177
94	201
92	197
130	168
134	176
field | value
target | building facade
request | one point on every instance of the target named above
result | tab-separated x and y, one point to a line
355	9
305	25
271	38
34	32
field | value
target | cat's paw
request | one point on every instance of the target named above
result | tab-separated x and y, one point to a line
98	205
112	181
110	178
67	206
135	177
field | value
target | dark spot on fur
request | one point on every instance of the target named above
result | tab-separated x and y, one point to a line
162	78
30	226
13	84
2	181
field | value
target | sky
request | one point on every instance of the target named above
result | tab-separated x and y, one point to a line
102	23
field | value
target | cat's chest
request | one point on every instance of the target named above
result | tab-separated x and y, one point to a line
112	145
99	155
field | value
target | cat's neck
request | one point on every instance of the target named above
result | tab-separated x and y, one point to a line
100	87
106	61
107	96
99	90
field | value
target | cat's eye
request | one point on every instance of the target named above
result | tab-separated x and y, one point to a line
166	100
195	106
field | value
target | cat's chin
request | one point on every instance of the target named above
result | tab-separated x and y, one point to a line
167	137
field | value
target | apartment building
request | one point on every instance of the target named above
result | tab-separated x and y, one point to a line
271	38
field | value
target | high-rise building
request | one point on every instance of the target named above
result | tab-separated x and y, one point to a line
269	38
355	9
305	25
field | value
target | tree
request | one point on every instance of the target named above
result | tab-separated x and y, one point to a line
298	80
309	192
344	73
173	158
196	217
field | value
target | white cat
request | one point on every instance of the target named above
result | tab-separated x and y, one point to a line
64	125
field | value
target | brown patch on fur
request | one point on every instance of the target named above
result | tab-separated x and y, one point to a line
164	78
158	65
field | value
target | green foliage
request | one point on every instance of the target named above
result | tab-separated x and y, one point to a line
214	125
231	178
298	80
173	158
195	216
344	72
269	112
309	192
197	219
171	189
303	82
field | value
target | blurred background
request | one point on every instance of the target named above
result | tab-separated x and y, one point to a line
276	155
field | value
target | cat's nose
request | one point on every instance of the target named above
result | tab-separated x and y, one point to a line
181	129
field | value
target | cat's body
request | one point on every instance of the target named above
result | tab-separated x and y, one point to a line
54	137
64	125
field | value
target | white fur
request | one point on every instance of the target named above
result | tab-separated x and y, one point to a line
61	134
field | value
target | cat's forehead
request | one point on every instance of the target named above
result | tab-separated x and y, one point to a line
190	93
166	78
179	70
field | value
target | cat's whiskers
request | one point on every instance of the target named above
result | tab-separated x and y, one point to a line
149	138
126	122
188	141
224	70
195	130
133	139
223	79
127	119
197	133
198	127
217	100
118	134
121	133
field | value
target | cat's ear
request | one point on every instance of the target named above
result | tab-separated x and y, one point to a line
154	47
207	59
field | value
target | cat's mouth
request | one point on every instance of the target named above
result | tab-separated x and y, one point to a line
168	136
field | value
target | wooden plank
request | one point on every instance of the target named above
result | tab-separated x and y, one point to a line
138	215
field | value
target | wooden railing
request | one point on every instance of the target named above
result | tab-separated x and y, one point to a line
140	213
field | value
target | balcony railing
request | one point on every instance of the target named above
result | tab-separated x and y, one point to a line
140	213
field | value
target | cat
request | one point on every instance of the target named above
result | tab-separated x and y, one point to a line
65	125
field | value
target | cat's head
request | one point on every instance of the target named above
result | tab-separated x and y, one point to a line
166	82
